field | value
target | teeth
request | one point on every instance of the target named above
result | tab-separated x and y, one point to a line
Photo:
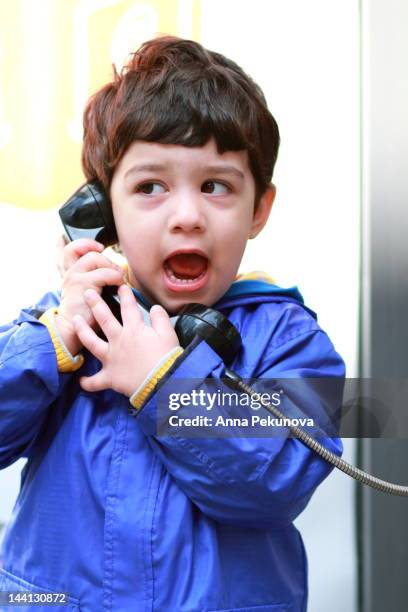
182	281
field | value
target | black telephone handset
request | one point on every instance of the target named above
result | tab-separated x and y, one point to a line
88	214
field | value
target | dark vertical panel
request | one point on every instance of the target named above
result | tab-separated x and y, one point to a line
384	519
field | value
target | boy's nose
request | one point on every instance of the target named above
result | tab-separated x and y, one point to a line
187	214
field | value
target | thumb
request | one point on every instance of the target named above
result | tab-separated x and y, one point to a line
97	382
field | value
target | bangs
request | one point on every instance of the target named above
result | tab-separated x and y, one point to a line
191	120
189	113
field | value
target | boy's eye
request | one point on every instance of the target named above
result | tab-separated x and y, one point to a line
150	188
215	188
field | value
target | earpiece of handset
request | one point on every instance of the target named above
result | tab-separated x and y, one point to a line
88	214
212	326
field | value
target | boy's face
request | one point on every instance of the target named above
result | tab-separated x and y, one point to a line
183	217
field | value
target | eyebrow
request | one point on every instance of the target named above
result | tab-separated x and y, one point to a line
212	169
224	169
145	168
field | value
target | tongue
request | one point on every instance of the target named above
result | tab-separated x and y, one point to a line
187	265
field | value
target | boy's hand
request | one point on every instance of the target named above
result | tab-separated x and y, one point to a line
131	350
82	267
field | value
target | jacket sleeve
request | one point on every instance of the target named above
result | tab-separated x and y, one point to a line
250	482
29	381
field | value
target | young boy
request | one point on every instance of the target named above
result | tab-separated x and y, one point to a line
110	513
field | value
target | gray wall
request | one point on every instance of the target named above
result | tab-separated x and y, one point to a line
383	519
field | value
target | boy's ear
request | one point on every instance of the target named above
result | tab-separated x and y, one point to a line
263	210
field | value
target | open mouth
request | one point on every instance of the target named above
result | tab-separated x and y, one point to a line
186	271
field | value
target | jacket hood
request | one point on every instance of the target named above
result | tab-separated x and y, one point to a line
257	287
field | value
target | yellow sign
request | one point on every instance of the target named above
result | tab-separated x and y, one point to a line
53	55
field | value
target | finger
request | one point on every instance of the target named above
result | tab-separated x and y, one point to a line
62	240
97	382
101	277
103	315
161	323
76	249
60	245
131	313
93	261
89	339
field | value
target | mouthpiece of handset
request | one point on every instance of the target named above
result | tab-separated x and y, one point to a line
210	325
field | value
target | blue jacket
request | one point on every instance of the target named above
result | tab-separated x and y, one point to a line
124	520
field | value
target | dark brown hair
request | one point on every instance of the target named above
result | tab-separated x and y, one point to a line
174	91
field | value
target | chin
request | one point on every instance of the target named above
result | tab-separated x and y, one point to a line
174	306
